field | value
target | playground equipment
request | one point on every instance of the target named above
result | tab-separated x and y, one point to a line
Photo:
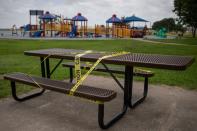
136	32
99	30
66	27
32	28
121	28
122	32
115	21
47	23
14	30
79	25
161	33
56	25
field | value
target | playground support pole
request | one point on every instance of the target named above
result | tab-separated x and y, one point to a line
112	29
84	26
30	24
86	30
95	30
43	28
107	30
51	29
36	20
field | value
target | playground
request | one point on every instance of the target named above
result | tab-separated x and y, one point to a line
43	24
98	65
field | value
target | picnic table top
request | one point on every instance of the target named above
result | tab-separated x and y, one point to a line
171	62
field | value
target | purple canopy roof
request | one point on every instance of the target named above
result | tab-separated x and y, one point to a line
47	15
114	19
79	17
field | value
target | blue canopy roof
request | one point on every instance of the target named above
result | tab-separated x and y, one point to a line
47	15
134	18
79	17
114	19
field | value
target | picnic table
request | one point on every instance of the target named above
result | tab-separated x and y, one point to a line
129	61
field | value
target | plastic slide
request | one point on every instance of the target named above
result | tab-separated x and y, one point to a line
37	34
73	32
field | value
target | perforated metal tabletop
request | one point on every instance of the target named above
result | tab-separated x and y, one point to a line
171	62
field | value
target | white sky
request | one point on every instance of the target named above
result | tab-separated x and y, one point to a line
97	11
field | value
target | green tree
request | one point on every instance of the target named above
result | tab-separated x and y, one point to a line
179	27
168	23
186	10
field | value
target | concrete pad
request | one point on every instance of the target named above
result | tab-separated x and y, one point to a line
165	109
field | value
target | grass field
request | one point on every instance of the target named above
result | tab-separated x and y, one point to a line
13	60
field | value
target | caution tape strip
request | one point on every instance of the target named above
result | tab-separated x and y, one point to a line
74	88
78	64
78	70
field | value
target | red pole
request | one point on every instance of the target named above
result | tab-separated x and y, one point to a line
51	28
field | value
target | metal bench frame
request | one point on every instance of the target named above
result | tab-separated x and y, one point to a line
111	71
129	61
100	105
45	71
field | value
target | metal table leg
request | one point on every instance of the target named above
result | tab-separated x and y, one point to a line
48	68
111	122
125	105
42	63
129	84
128	75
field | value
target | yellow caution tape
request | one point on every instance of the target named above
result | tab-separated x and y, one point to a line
142	70
74	88
78	70
78	65
36	83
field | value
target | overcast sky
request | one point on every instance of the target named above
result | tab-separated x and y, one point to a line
97	11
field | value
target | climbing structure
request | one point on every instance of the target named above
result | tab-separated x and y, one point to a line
47	23
114	21
136	32
80	25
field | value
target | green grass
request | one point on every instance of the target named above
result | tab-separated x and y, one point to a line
12	58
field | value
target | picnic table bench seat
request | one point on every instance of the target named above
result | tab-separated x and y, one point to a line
114	69
87	92
129	61
94	94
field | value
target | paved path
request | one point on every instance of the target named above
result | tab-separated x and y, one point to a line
159	42
165	109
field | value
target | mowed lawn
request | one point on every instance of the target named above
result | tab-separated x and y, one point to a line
12	58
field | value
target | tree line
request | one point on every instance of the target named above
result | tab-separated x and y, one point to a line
186	10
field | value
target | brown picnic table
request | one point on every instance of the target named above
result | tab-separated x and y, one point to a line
129	61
